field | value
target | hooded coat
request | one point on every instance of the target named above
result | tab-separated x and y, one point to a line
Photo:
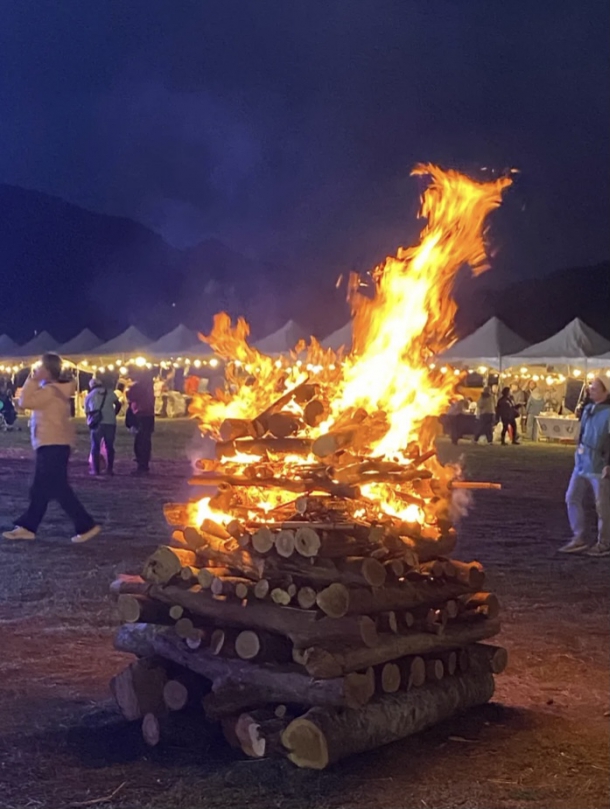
51	423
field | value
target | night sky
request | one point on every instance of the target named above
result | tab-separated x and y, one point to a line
287	129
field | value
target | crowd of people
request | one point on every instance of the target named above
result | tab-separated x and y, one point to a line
512	413
47	394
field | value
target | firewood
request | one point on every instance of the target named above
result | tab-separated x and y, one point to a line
314	412
177	540
283	424
261	588
336	658
124	584
463	660
138	689
258	732
215	554
371	571
280	596
488	600
189	574
260	446
396	568
387	622
389	678
176	514
451	609
166	563
263	647
210	527
303	627
175	695
306	596
493	658
470	573
238	682
134	608
151	730
322	737
222	642
306	542
412	671
263	540
207	575
285	543
435	670
231	429
450	662
338	600
192	537
359	688
176	612
230	586
427	549
185	689
185	628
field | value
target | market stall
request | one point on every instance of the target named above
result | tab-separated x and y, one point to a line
485	348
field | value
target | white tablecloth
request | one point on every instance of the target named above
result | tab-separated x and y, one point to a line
557	428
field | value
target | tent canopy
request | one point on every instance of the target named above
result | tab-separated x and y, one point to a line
575	343
83	343
283	340
342	338
488	345
180	340
8	347
38	345
130	341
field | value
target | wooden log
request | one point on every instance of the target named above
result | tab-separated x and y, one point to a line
283	424
216	554
151	729
450	662
427	549
280	596
469	573
359	688
487	600
176	514
138	689
306	597
124	584
166	563
389	678
493	658
185	688
435	670
263	540
263	647
189	574
258	732
285	543
207	575
370	570
322	737
222	642
261	588
303	627
306	542
230	429
135	608
338	600
234	586
176	612
193	538
412	671
320	660
263	684
262	446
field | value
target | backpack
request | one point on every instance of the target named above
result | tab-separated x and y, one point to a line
94	417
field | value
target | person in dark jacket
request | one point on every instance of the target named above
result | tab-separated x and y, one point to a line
141	417
506	413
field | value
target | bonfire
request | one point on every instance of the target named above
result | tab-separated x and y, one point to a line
308	600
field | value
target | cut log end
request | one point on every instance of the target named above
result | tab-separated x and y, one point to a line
306	744
151	730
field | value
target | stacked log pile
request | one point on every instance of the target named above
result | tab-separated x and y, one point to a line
319	628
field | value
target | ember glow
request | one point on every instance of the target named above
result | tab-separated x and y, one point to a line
320	424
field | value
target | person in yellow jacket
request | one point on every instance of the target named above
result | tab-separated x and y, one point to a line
52	431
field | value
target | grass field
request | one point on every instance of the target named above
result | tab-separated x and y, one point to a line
543	742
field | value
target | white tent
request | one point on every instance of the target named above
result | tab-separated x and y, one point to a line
130	342
84	343
342	338
603	361
38	345
283	340
575	344
8	347
488	345
181	341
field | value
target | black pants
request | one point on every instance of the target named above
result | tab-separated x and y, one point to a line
107	434
506	423
485	426
142	445
51	483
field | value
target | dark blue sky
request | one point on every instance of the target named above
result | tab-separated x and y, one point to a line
288	128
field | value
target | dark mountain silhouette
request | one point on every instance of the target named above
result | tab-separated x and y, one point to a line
538	307
65	269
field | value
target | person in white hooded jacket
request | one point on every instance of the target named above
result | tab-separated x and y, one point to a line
52	437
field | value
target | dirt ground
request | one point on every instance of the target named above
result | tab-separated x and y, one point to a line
543	742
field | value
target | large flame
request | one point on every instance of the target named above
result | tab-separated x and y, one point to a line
387	383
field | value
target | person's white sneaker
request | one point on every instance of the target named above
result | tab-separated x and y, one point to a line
599	550
19	533
92	532
575	545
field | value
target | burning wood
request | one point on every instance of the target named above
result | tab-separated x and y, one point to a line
316	571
